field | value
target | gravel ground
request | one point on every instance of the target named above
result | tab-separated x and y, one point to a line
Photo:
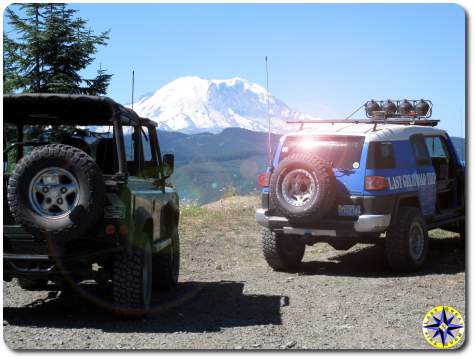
228	298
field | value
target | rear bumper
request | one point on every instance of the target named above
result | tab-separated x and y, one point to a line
24	255
372	223
366	223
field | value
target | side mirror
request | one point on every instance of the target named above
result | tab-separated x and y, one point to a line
168	164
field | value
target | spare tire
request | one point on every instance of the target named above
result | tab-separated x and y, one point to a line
302	186
56	190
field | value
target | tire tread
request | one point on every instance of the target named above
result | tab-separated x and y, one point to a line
325	178
274	255
396	243
84	162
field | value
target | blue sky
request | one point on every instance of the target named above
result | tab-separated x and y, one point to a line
324	59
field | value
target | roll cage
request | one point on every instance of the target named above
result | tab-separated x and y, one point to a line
33	109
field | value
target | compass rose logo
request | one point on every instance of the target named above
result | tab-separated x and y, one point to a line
443	327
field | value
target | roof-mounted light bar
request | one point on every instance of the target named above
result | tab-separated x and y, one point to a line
398	108
372	121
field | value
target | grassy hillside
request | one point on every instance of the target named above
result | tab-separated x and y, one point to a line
203	182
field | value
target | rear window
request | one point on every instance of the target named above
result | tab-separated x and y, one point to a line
380	155
344	152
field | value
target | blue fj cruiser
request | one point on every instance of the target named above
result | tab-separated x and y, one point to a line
385	179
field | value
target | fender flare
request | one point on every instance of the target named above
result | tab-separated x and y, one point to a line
139	221
397	204
170	208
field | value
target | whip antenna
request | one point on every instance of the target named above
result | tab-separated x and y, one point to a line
269	147
133	86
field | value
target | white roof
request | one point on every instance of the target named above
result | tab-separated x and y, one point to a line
383	132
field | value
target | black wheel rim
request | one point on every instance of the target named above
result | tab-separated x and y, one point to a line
416	241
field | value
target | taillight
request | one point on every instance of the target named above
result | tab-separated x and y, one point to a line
123	230
375	183
263	179
109	230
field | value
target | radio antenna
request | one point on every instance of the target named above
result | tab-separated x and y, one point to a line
133	86
269	147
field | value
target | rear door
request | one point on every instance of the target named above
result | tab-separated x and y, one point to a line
445	164
344	154
425	179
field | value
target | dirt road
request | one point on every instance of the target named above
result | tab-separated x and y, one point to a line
228	298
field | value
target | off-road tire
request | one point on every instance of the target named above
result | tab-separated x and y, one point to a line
32	284
128	285
166	264
321	172
397	242
275	248
91	191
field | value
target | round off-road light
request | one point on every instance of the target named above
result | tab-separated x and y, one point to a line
371	107
405	107
422	108
389	107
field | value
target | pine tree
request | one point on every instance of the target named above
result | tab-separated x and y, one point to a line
11	78
51	46
22	57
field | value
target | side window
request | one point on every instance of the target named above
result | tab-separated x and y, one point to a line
130	149
419	149
380	155
129	142
146	145
150	166
437	147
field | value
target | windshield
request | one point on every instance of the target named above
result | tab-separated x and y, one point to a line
344	152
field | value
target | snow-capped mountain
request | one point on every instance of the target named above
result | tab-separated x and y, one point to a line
192	105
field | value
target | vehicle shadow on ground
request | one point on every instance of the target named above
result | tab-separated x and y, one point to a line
193	307
445	257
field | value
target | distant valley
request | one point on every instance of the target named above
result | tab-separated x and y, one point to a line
210	166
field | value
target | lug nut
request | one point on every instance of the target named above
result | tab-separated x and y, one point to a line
45	189
63	190
60	201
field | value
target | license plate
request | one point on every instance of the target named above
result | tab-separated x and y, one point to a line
349	210
115	212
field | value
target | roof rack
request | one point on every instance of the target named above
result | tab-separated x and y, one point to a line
373	121
400	112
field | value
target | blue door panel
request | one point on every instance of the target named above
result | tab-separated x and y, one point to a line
407	177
